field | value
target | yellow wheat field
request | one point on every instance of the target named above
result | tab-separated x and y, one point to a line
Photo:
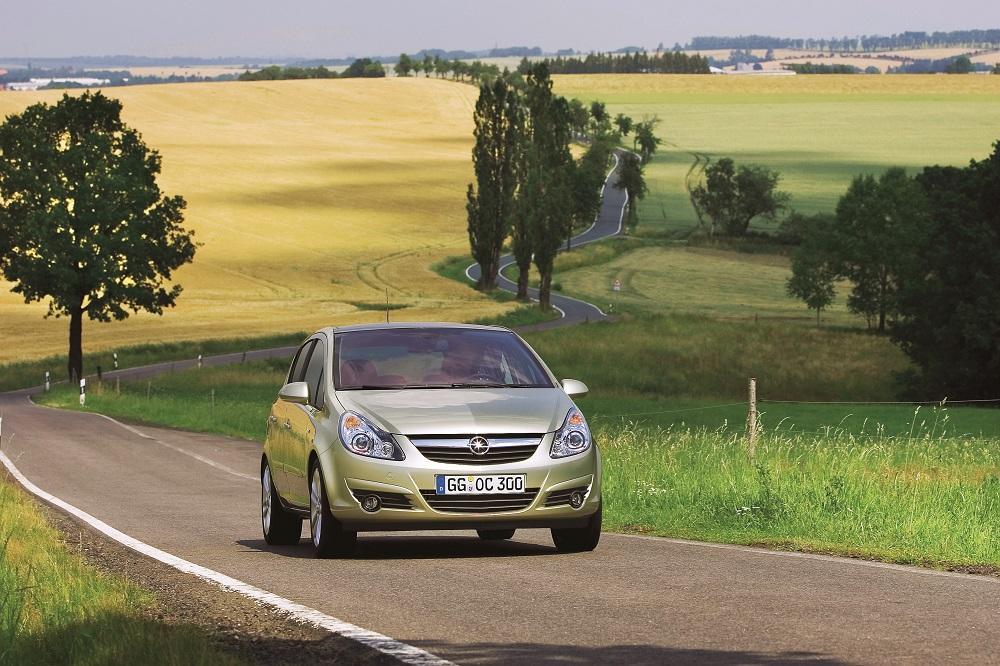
307	196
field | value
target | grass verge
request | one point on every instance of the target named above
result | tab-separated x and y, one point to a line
55	609
924	500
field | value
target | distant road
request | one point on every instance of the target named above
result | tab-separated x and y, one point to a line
608	223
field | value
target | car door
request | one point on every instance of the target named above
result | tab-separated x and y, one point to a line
279	426
304	421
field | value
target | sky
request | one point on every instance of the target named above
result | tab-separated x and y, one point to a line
330	28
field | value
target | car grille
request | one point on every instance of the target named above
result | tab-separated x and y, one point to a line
480	503
389	500
560	497
455	449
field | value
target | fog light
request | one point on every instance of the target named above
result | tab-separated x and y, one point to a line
576	499
371	503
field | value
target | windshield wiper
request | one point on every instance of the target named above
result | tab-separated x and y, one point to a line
372	387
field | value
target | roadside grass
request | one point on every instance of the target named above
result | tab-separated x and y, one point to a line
818	131
23	374
923	500
56	609
229	400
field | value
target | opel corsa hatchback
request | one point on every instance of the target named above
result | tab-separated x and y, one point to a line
427	426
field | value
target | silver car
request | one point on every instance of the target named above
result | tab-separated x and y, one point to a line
427	426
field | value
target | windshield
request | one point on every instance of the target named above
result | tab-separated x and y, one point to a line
435	358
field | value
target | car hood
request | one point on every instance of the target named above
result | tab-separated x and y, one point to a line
461	411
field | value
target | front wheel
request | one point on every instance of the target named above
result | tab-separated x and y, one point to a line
281	527
495	535
329	538
579	539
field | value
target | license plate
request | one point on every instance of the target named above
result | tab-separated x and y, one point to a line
492	484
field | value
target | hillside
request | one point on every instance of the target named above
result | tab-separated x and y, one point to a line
307	197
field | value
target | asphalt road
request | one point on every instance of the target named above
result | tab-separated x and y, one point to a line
634	599
608	223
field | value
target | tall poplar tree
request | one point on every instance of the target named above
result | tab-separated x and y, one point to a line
495	157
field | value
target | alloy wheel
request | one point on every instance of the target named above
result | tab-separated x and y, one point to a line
316	506
265	498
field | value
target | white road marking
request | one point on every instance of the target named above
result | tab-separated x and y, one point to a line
810	556
407	654
192	454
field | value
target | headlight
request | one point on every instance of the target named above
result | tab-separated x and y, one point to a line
362	437
573	437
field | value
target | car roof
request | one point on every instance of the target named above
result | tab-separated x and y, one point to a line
415	324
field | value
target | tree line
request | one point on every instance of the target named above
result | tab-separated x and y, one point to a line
639	62
528	187
360	68
458	70
860	43
920	254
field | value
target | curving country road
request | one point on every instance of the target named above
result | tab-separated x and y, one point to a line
635	599
608	222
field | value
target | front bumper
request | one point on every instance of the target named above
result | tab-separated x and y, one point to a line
349	476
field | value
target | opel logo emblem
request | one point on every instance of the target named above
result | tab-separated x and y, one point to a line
479	445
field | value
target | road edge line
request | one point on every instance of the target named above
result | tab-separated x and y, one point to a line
753	550
404	652
138	433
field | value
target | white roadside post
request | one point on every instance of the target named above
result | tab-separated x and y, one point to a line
47	383
752	418
83	391
114	355
199	360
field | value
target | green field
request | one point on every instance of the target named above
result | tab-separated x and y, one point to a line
56	609
818	131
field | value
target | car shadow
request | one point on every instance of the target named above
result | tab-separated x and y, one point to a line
634	655
402	547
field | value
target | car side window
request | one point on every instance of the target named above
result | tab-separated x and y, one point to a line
298	365
314	375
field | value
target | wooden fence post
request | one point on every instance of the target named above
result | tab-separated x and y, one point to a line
752	418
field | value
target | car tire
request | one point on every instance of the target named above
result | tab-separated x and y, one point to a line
579	539
329	538
281	527
495	535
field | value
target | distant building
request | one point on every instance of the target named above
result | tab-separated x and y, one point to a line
35	84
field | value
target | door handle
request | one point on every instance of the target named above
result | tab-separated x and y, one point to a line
287	425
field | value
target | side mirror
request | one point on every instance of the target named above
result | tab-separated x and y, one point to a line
297	392
575	388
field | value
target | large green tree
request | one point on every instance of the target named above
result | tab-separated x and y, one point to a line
83	222
495	158
879	228
814	262
732	197
948	301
